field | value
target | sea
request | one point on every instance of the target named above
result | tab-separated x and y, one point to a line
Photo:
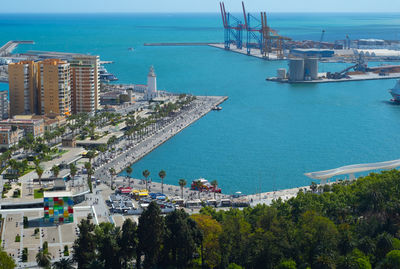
267	135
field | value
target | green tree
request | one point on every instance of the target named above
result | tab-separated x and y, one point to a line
72	171
214	183
85	245
128	242
287	264
317	240
43	259
162	175
39	171
63	264
90	172
146	174
129	171
108	249
90	155
181	239
6	262
211	230
55	170
112	173
150	235
182	184
393	259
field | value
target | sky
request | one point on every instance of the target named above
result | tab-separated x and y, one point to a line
170	6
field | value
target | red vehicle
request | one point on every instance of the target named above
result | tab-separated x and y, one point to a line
204	185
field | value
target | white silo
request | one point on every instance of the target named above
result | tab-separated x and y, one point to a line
311	68
296	69
281	73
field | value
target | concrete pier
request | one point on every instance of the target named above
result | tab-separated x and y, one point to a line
361	77
254	52
7	48
133	153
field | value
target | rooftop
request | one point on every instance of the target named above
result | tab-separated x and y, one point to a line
52	194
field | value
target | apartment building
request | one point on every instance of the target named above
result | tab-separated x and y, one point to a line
85	83
23	87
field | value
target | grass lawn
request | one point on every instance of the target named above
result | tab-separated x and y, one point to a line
30	169
62	152
38	193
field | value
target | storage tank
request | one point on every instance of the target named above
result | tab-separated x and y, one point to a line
311	68
281	73
296	69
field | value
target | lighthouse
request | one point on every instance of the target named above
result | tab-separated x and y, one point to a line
151	85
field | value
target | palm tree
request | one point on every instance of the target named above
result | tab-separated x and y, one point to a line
39	171
72	171
199	186
43	258
89	171
162	175
36	161
112	173
90	155
56	170
63	264
182	183
214	183
129	171
146	174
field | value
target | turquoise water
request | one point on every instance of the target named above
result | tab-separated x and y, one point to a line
267	135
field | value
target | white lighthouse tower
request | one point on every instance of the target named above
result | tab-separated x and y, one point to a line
151	85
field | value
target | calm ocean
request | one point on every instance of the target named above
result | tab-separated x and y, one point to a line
267	135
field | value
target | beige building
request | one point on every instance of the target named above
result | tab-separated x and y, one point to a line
34	127
9	137
85	83
23	87
54	81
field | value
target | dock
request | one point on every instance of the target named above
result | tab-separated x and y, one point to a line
361	77
176	44
254	52
11	45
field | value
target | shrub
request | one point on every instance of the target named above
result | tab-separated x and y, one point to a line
25	255
17	238
45	247
26	222
66	251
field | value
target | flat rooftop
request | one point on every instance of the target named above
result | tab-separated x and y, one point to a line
52	194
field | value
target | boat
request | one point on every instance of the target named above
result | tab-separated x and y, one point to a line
217	108
105	76
395	92
203	185
131	49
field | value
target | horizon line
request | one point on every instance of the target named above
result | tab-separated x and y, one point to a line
201	12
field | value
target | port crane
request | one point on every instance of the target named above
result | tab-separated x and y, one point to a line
360	66
233	29
258	34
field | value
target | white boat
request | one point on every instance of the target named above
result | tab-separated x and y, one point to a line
395	92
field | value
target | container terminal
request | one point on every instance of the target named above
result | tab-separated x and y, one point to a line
251	35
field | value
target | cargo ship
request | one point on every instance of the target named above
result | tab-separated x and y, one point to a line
395	92
204	185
